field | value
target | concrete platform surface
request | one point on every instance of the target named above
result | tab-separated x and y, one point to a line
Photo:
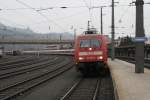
129	85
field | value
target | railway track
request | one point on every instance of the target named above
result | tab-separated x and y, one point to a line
4	59
90	89
16	60
84	89
106	91
13	90
29	68
24	63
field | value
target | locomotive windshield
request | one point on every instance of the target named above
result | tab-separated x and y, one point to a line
89	43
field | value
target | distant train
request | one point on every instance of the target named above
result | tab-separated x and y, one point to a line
90	52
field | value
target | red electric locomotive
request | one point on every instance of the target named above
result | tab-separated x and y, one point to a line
90	52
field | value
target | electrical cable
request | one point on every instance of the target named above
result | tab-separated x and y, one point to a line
40	14
86	4
73	15
124	13
41	9
43	15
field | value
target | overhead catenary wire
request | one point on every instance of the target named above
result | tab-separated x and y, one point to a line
40	9
91	12
66	17
57	8
89	8
48	8
40	14
118	1
73	15
54	7
86	4
124	13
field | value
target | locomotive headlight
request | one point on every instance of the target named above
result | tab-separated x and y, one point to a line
90	49
100	57
81	58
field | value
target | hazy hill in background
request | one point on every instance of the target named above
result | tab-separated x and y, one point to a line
7	32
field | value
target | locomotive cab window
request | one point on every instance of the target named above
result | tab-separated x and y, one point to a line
89	43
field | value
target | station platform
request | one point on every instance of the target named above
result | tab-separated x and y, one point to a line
129	85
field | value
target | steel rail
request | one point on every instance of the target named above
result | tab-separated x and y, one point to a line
71	90
96	90
38	80
4	58
28	69
15	61
30	79
22	63
75	86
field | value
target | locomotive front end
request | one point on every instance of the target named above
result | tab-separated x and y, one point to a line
90	53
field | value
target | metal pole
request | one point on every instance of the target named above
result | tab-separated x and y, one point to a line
60	40
60	37
101	20
112	34
139	56
3	45
88	25
74	34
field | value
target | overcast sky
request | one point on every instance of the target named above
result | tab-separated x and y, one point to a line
15	13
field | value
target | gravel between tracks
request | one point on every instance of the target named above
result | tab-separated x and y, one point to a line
84	90
106	90
24	69
22	62
15	60
7	82
91	89
53	88
26	85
